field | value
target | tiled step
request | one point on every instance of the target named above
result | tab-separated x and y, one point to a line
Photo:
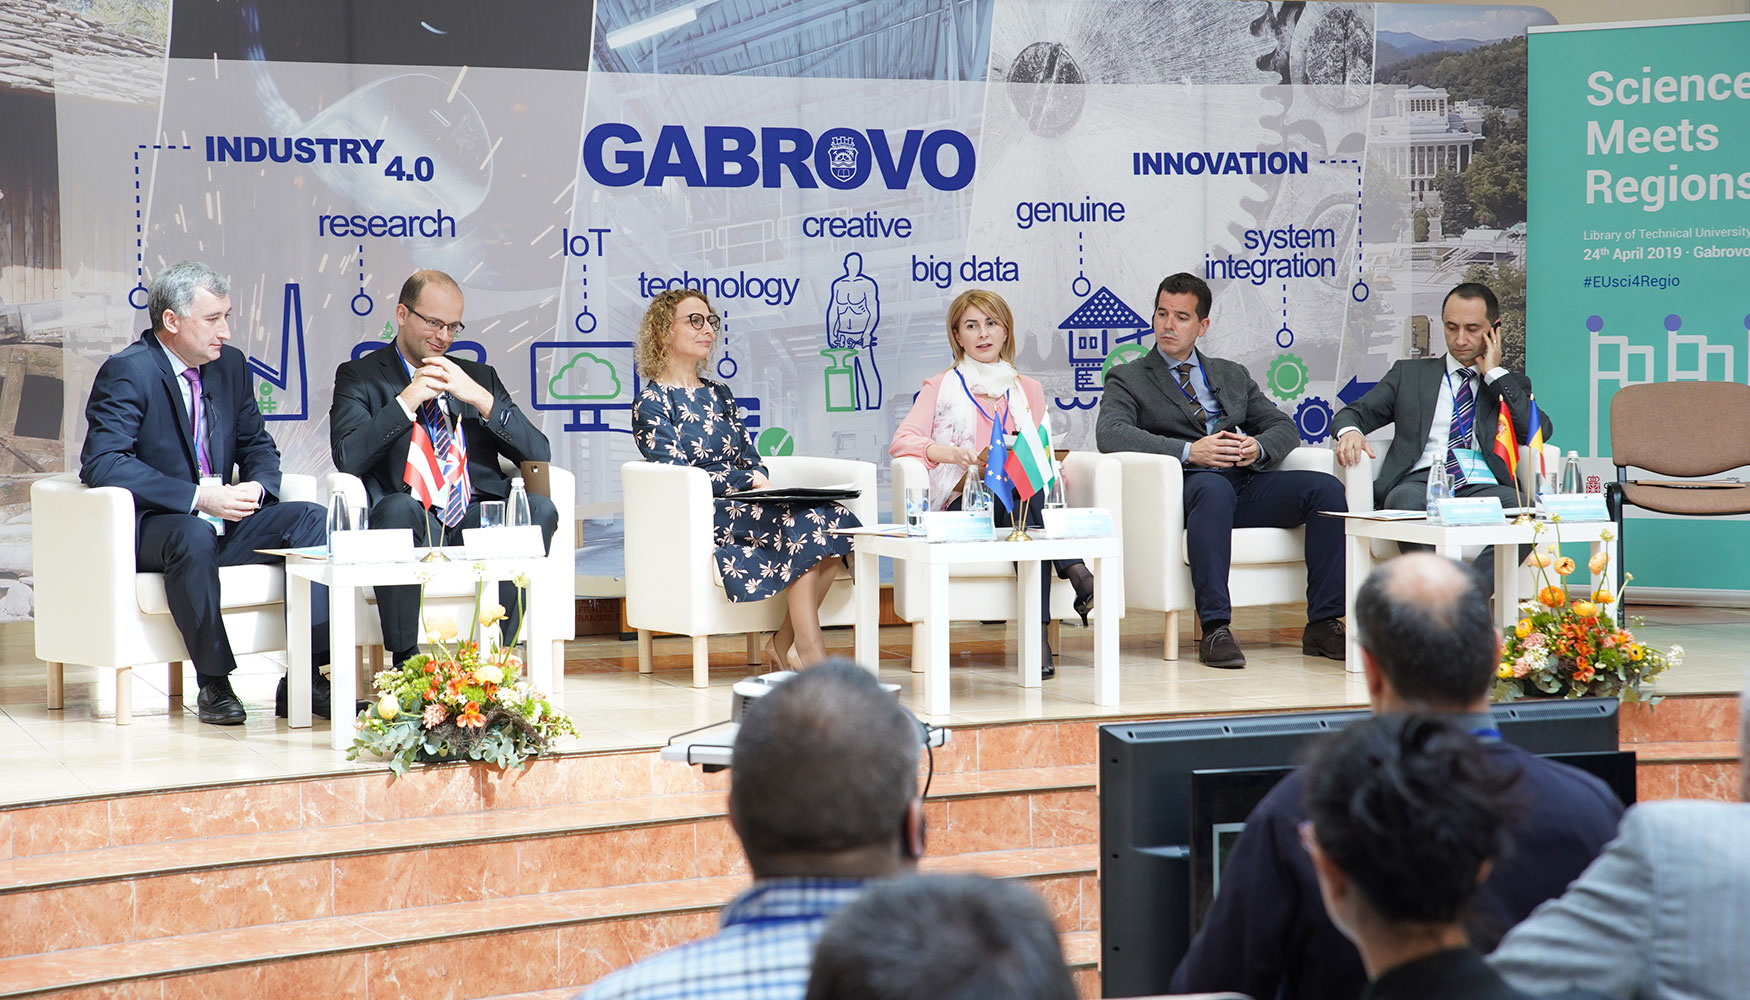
1687	770
141	892
471	948
1081	952
1702	717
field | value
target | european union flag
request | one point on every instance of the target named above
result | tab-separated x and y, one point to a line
996	478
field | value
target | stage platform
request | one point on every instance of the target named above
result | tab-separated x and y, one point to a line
171	859
79	750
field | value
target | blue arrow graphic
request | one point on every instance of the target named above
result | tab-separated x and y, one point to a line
1354	390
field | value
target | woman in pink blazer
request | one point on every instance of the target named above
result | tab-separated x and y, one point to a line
949	425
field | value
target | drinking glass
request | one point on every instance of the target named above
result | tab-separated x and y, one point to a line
917	501
492	514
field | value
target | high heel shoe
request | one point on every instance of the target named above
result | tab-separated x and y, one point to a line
1082	579
1047	668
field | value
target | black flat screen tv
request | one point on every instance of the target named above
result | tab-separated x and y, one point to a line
1173	795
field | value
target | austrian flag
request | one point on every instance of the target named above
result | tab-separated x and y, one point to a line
434	474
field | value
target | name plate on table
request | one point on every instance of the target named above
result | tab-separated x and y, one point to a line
376	545
502	543
1574	506
1460	511
1077	522
958	526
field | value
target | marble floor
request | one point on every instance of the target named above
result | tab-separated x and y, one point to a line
79	750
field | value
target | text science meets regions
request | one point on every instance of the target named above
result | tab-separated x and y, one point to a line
1615	138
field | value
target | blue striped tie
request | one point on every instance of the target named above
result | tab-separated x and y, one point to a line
1464	406
439	429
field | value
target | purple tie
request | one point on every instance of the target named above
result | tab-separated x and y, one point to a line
193	376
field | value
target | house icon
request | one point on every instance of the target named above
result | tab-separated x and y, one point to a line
1097	325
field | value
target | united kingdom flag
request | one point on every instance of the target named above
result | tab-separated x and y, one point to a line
437	466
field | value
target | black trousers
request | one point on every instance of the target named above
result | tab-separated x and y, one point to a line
1219	500
1411	493
189	552
1035	518
398	607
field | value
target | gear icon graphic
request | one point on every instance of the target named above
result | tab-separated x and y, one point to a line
1313	419
1287	377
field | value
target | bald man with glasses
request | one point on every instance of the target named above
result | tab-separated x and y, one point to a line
410	391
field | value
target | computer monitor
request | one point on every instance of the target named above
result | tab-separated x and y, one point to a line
589	378
1147	774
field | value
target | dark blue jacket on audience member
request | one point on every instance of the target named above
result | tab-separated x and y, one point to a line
1267	934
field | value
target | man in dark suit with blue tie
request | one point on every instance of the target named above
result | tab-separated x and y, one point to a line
1211	416
172	420
378	400
1445	410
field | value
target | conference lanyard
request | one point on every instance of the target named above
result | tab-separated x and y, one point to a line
1004	424
1452	394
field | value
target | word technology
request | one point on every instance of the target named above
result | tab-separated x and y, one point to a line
732	156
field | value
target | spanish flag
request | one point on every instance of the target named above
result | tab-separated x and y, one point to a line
1506	445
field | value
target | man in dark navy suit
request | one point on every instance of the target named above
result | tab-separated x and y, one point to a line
172	420
378	401
1428	645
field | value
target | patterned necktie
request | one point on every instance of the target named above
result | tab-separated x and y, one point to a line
1464	406
1184	371
197	415
457	476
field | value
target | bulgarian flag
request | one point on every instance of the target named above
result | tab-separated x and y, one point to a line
1506	445
1031	464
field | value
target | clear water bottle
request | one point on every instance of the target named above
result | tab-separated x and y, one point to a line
1573	481
519	504
339	518
1439	488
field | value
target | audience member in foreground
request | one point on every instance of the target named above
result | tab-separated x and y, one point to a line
823	794
946	937
1406	815
950	423
173	421
761	548
1663	912
1428	645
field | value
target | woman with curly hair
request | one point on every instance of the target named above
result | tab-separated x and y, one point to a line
683	418
950	423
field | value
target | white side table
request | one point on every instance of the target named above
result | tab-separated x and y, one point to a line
1103	556
342	580
1449	542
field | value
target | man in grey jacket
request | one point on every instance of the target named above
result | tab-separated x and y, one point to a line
1664	911
1210	415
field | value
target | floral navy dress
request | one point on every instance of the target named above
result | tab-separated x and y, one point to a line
760	547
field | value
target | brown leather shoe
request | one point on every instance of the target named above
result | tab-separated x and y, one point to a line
1218	649
1323	638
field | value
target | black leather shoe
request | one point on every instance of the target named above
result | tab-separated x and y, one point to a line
217	705
1048	665
319	698
1323	638
1218	649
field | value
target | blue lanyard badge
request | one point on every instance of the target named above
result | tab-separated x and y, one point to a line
1004	422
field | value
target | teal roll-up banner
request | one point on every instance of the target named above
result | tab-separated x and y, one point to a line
1639	247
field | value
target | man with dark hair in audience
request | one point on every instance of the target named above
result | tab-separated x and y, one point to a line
1663	912
946	937
1428	645
823	794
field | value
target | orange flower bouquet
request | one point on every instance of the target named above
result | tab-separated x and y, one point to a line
1569	645
459	702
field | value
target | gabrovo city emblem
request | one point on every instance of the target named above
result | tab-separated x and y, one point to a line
841	158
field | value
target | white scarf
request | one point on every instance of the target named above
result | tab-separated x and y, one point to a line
956	417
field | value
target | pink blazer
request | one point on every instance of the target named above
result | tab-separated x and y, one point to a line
917	431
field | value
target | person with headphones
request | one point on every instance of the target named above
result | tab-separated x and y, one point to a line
823	794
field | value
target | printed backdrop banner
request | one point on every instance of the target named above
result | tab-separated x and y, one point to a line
1640	202
830	176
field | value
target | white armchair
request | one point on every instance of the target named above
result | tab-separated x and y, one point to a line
94	608
1268	564
553	596
672	582
986	591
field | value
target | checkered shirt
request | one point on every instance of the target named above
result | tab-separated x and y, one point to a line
762	950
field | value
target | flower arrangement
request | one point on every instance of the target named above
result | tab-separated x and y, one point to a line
459	701
1572	647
